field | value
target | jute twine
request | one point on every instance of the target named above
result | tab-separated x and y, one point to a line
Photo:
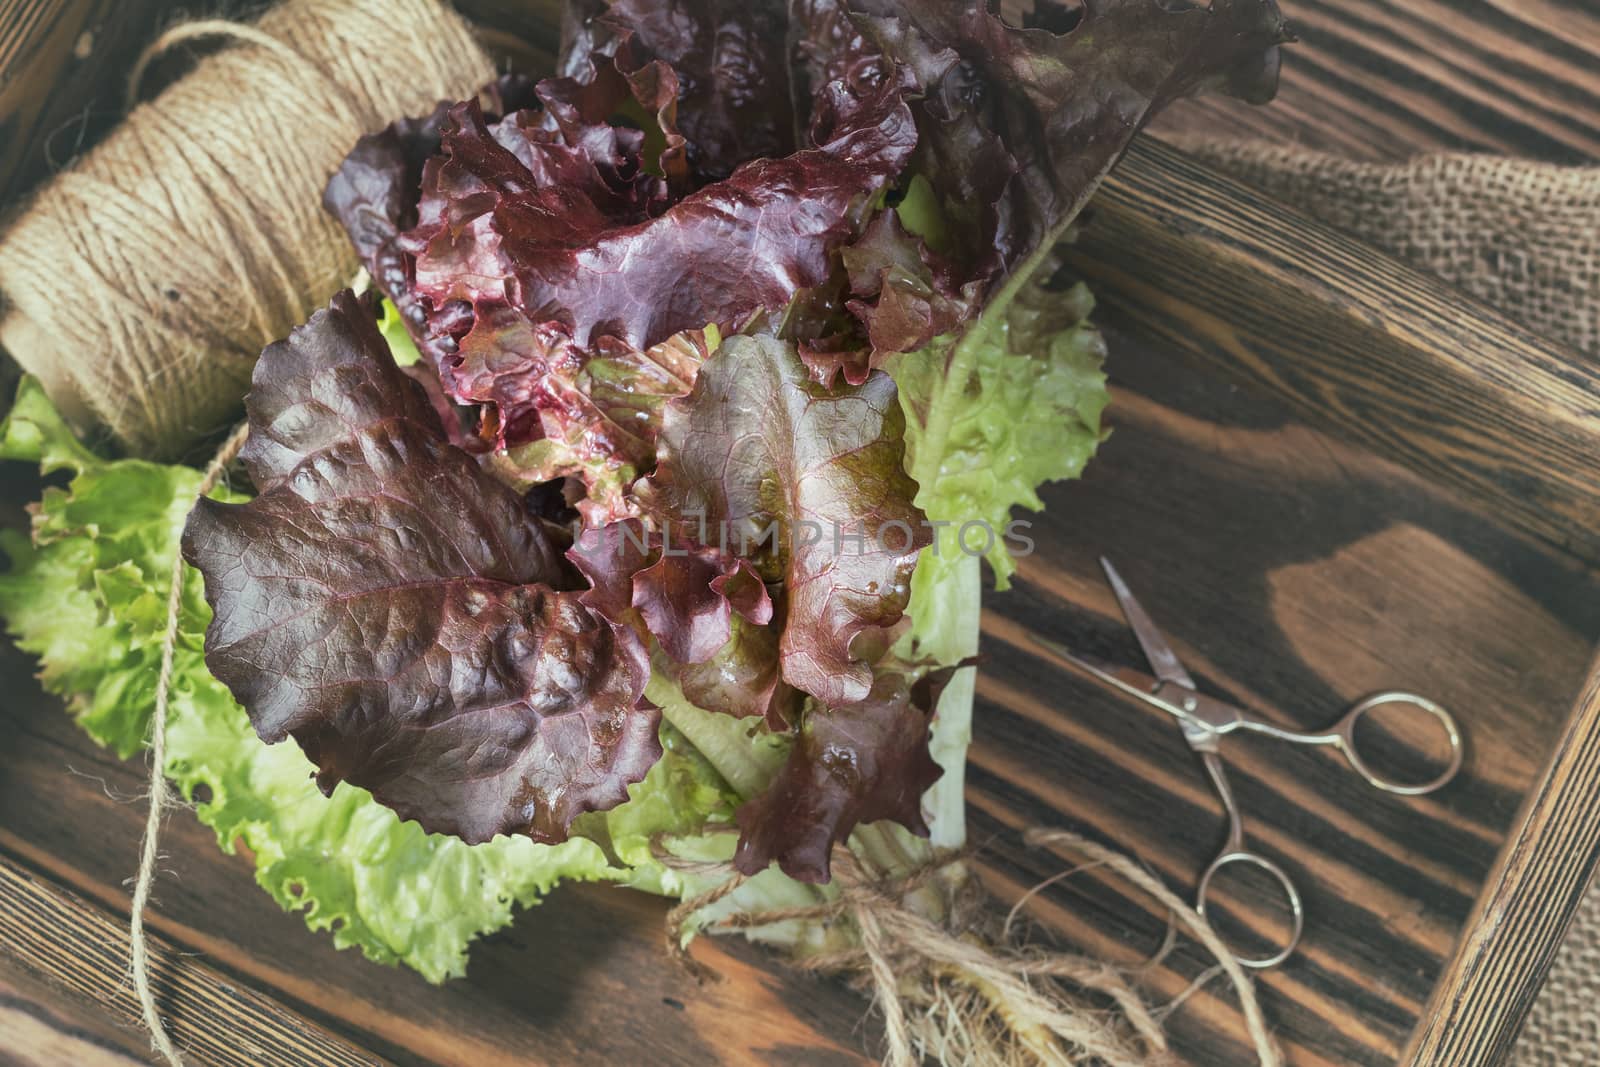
141	284
150	846
961	989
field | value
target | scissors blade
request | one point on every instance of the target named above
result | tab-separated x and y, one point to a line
1135	683
1162	659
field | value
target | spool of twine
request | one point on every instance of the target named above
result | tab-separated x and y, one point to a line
141	284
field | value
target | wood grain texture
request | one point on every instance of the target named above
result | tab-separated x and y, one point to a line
1293	570
1518	922
1294	575
1351	340
582	979
1385	79
63	65
53	1027
67	943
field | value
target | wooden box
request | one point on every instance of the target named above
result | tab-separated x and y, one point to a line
1402	495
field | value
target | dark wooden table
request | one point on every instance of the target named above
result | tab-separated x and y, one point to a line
1294	573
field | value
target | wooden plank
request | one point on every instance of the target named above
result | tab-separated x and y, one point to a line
1350	340
62	69
1386	79
1294	570
65	942
1523	912
45	1027
1294	573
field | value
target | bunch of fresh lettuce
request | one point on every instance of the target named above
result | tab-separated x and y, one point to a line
727	355
86	593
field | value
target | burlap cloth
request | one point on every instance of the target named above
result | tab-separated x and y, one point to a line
1522	237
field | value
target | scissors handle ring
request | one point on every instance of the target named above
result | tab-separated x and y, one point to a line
1346	734
1297	913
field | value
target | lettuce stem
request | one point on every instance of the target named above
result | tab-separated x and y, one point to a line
947	610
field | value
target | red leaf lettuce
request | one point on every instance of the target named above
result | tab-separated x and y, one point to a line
636	288
395	609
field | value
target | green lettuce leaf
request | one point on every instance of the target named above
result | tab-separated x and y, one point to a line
393	328
87	595
1014	402
993	413
104	540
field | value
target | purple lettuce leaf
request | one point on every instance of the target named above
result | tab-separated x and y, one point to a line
598	262
903	293
684	594
707	609
809	485
1048	111
742	678
557	411
552	273
731	61
1015	98
851	764
395	610
600	87
375	192
608	558
559	233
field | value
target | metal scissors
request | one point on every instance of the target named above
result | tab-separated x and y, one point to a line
1205	720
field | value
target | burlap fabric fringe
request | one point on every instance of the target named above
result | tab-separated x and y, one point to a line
1523	237
141	284
964	990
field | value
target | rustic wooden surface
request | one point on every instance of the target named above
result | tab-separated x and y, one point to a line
1293	572
1350	340
1516	927
79	951
47	46
1385	79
